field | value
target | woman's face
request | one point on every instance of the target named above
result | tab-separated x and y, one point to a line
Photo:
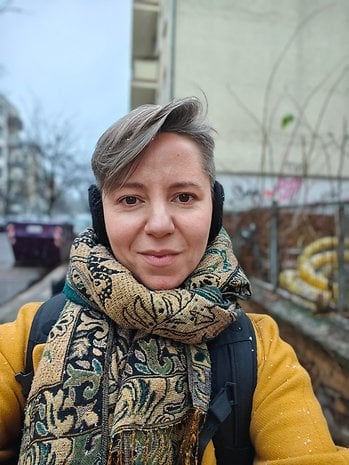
158	222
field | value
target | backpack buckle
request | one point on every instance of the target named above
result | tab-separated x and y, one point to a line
222	404
231	393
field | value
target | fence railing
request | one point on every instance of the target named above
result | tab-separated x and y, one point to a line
302	249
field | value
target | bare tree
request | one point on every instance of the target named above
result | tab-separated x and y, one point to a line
7	6
64	174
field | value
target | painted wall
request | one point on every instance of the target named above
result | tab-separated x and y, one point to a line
243	192
261	63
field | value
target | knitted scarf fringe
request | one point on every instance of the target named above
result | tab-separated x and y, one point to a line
123	454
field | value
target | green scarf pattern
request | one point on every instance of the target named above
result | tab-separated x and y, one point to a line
125	374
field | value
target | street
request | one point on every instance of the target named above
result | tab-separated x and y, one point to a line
21	284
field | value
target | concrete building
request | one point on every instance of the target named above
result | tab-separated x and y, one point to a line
10	129
27	193
22	175
145	63
276	78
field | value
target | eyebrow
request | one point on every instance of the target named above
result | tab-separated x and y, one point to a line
186	185
175	185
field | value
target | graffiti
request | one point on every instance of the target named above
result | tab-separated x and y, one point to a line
242	192
287	187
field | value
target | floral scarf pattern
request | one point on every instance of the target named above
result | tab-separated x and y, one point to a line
125	373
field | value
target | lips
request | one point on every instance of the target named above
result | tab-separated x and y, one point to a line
161	258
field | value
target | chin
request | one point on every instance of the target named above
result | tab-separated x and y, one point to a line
162	284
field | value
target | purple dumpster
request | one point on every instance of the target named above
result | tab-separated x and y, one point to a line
40	243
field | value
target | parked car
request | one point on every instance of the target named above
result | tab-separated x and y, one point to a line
40	243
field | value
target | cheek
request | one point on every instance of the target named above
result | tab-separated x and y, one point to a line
199	230
120	242
110	226
203	222
117	231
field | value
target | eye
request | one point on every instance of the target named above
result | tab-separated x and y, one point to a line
129	200
184	197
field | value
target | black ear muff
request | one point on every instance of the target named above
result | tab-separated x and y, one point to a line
96	208
217	211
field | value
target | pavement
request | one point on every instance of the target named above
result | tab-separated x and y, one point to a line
37	292
13	277
17	279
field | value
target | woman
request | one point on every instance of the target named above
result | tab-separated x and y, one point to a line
124	377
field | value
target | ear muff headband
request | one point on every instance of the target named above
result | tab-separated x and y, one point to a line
217	211
96	208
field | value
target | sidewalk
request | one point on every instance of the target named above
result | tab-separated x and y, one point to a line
37	293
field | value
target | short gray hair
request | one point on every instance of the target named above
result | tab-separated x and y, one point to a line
117	151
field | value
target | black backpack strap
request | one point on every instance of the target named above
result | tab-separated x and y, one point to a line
44	319
234	376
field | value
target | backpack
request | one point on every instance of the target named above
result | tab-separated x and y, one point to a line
234	376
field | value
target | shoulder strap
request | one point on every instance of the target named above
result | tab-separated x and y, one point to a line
234	377
44	319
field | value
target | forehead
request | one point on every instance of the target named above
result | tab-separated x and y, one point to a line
167	152
170	152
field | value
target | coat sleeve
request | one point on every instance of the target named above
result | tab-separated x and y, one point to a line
287	424
13	344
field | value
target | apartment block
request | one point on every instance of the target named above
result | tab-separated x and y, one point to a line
22	173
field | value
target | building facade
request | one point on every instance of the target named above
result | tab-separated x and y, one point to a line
145	53
10	131
276	78
22	176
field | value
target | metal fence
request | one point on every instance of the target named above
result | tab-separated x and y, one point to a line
303	250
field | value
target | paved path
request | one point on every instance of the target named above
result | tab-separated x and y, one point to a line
22	284
40	291
15	279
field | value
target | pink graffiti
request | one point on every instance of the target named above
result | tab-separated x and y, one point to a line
287	187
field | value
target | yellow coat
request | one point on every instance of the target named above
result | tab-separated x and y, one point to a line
287	424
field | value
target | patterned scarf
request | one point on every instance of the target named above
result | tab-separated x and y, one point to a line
125	374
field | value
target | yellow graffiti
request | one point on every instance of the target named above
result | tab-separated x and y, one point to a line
314	276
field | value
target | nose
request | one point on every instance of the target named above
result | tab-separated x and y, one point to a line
159	221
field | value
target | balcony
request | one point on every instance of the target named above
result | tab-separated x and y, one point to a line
144	55
145	20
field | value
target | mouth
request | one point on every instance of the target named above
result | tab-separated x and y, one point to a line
161	258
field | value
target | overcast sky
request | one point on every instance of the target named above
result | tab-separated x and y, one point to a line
72	56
